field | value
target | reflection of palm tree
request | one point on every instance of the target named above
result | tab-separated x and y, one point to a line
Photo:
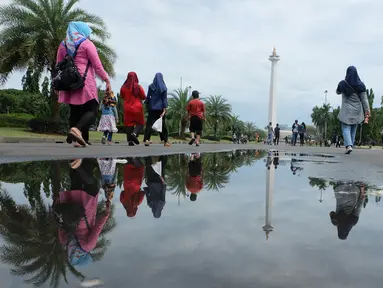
216	171
33	247
318	182
176	175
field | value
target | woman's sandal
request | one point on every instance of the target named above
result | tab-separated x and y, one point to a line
75	163
76	135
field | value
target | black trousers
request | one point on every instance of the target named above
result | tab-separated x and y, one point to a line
302	138
153	116
83	116
133	129
83	179
276	139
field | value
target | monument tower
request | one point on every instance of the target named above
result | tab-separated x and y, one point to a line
270	174
274	58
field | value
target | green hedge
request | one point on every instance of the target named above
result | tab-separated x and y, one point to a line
15	120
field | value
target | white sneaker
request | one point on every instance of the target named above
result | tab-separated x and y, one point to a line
348	150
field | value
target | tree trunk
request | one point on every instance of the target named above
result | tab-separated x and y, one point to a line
215	129
55	179
54	98
183	124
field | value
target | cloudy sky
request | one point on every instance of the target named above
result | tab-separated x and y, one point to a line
222	47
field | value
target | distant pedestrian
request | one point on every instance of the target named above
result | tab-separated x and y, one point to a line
294	130
270	134
133	94
301	132
277	134
355	107
157	103
196	114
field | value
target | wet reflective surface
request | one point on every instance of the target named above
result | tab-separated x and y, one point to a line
237	219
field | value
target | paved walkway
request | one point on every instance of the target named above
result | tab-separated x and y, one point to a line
362	165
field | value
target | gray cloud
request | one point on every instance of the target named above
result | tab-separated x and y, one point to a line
221	47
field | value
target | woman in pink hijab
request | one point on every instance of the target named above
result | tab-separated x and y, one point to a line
83	102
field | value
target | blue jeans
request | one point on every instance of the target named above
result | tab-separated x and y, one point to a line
270	138
349	134
108	135
295	138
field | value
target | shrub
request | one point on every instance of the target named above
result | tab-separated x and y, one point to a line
15	120
211	138
47	125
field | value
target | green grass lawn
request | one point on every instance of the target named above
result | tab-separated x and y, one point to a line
94	136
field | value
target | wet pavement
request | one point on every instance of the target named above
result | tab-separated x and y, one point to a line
244	218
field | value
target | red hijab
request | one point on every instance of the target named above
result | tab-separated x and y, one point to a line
131	83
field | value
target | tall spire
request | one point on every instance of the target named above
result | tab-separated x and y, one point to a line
274	52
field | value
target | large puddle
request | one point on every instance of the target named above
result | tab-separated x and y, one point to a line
237	219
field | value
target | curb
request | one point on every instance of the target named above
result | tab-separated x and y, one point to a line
27	140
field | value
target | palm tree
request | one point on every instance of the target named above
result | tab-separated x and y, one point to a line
178	102
33	29
237	126
250	129
325	109
32	244
318	119
218	111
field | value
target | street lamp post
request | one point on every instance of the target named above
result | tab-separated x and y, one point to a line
325	116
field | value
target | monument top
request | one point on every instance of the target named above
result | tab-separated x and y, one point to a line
274	57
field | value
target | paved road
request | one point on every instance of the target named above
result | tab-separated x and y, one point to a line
363	164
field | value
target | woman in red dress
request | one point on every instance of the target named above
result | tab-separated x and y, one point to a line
132	195
133	94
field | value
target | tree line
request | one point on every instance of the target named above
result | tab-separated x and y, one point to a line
325	118
31	32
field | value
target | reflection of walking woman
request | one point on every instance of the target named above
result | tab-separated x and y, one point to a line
157	102
83	103
156	187
132	195
80	235
133	95
355	107
349	202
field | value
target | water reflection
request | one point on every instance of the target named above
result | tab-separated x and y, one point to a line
156	187
45	244
271	164
46	240
132	195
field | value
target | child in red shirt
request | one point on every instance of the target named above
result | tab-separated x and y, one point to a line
196	111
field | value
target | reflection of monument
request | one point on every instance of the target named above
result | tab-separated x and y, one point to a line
274	58
269	199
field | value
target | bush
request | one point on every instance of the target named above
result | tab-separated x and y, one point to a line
19	101
15	120
211	138
46	125
228	138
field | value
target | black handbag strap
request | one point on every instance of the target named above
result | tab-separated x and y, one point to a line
75	54
351	87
